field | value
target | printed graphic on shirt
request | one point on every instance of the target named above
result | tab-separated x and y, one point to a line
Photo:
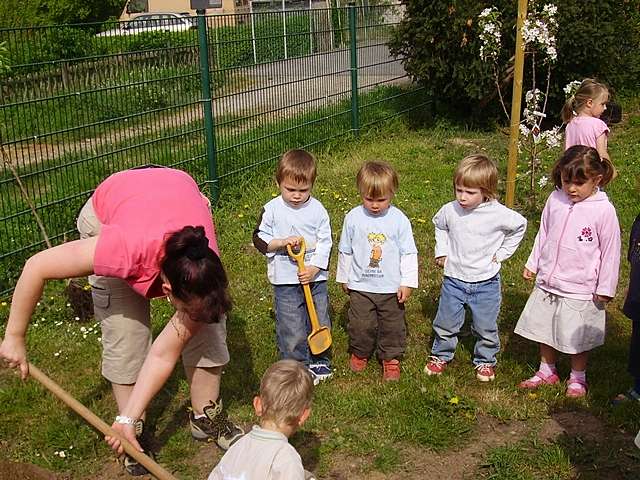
376	240
586	235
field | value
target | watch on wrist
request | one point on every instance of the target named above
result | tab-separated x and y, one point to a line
123	420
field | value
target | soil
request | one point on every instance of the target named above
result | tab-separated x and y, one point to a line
596	451
25	471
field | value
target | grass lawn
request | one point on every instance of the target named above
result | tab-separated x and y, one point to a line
420	427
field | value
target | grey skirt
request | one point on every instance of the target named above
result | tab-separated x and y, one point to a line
568	325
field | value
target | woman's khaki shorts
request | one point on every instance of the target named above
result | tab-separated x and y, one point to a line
125	320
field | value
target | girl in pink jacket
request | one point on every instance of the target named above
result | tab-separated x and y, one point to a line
575	260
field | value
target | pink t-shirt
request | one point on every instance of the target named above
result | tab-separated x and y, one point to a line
137	210
584	130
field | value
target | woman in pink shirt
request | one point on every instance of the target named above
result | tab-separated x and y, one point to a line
575	260
145	233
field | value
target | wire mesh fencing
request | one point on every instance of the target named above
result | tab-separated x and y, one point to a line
216	96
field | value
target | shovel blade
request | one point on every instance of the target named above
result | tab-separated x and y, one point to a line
319	340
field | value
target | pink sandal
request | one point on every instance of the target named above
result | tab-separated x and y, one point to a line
576	388
539	379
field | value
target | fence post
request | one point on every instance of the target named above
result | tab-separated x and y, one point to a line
207	105
355	114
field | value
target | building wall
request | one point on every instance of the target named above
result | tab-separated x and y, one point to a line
177	6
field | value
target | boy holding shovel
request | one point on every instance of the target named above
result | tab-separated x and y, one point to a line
283	221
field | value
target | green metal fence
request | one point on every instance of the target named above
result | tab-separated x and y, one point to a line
221	97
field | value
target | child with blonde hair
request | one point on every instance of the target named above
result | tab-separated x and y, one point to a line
575	260
581	113
283	221
283	405
377	267
474	234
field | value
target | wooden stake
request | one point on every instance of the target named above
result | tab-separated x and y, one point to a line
516	102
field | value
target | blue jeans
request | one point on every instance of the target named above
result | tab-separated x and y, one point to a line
483	300
293	324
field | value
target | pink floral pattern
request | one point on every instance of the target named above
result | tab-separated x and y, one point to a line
586	235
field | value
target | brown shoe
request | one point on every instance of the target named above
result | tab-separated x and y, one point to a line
357	364
391	370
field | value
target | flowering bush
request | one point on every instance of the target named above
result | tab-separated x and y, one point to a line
539	37
489	25
439	41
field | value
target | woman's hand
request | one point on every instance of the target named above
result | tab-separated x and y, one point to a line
128	432
440	261
14	352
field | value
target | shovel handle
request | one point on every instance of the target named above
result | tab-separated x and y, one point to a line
95	421
299	258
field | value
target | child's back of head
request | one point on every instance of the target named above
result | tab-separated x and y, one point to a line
589	89
286	391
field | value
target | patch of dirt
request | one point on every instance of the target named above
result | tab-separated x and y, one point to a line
420	463
595	450
26	471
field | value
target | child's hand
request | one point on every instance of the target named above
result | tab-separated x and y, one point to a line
293	240
601	298
528	274
345	288
440	261
308	274
403	294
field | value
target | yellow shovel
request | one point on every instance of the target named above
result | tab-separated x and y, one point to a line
320	337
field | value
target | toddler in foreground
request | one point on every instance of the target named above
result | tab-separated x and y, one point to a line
283	405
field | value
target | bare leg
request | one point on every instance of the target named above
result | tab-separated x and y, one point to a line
579	361
122	394
548	354
204	384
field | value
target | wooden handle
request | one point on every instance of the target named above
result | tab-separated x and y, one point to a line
299	258
95	421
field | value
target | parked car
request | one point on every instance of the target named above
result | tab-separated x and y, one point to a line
153	22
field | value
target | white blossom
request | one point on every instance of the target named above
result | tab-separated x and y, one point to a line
543	181
571	88
490	37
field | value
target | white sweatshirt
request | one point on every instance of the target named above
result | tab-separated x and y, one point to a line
477	241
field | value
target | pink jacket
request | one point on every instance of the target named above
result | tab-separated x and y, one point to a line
577	249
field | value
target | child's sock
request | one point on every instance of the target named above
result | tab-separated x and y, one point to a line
636	385
578	376
547	369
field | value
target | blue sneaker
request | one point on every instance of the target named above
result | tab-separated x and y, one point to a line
320	372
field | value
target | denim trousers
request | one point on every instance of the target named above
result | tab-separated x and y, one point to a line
483	299
293	324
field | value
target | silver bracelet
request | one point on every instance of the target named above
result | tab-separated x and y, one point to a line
122	420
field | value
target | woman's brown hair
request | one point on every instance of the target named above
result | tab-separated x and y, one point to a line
196	275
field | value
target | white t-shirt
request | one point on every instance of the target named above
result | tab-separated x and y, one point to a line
260	455
471	239
280	220
377	252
